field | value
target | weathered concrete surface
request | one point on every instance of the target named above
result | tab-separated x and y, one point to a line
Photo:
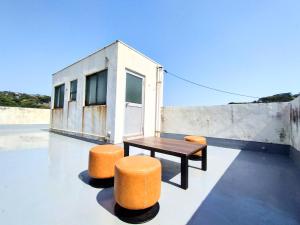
295	123
252	122
17	115
23	136
94	120
46	183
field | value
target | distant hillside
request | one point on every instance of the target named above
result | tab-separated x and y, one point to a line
14	99
283	97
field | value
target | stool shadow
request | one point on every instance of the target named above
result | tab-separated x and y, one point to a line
105	198
96	183
170	169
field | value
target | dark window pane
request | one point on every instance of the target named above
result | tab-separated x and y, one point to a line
87	90
101	88
134	89
91	89
56	97
73	90
96	88
73	96
59	96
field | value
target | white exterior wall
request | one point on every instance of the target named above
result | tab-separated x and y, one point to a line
250	122
99	121
295	123
130	59
18	115
75	116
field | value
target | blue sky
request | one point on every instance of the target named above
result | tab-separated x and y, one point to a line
251	47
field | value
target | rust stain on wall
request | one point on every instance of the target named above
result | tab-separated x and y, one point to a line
82	120
57	118
94	120
68	110
295	116
279	115
93	129
282	134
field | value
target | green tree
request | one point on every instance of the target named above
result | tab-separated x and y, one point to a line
8	98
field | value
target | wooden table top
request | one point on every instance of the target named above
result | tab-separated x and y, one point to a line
166	145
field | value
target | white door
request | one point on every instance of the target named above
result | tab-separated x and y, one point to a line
134	105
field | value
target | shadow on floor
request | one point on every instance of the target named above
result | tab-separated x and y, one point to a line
105	197
96	183
170	169
258	188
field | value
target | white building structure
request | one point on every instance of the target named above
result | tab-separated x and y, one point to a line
112	94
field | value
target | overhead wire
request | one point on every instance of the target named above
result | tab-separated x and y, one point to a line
207	87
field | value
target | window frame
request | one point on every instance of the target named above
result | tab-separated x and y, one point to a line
127	71
98	74
57	97
73	93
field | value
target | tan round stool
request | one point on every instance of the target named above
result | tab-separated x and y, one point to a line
197	139
137	187
102	159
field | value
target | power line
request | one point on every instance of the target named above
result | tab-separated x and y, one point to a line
207	87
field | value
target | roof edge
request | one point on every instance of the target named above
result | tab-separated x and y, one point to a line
140	53
115	42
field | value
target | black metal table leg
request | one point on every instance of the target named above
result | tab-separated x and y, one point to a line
184	172
126	149
152	153
204	159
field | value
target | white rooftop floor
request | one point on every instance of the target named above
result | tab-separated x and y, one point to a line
40	182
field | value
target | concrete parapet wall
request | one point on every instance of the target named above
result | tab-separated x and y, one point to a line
251	122
295	123
17	115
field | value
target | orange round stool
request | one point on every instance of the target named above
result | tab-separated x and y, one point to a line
197	139
137	187
102	159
